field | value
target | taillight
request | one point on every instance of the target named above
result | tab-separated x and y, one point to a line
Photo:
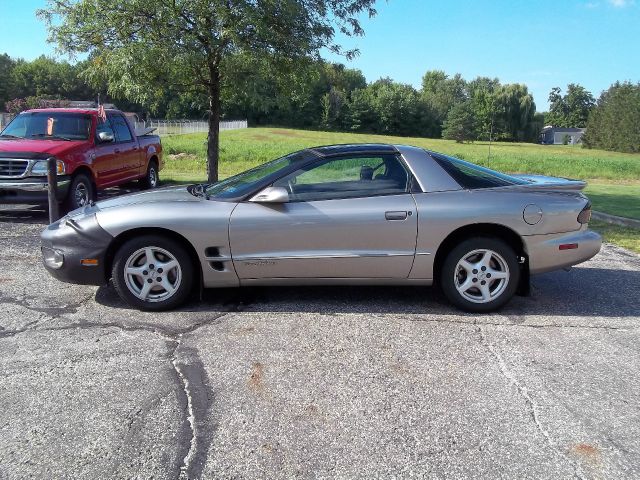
585	214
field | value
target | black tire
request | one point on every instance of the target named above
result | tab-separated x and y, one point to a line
81	192
130	287
152	177
503	262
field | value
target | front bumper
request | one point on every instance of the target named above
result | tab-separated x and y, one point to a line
31	189
545	254
70	241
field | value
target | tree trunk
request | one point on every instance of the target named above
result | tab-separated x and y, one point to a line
213	139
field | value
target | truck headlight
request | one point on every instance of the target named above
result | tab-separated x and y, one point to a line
40	167
52	258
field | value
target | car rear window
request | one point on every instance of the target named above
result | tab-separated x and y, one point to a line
472	176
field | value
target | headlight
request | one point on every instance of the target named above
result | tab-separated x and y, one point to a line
52	258
40	167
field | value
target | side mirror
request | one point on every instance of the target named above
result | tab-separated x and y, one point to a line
271	195
105	137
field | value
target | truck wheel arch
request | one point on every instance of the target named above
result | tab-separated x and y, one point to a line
84	169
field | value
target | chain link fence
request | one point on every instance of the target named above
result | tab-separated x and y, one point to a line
180	127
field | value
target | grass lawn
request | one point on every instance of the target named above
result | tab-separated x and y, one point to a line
621	200
614	178
628	238
242	149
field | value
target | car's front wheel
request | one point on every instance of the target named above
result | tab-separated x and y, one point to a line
153	273
480	274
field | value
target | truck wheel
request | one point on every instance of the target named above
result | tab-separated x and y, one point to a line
153	273
81	192
480	274
152	178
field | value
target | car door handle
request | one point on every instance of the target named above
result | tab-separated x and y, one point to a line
396	215
117	150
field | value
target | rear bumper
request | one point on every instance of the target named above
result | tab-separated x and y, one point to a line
31	189
545	254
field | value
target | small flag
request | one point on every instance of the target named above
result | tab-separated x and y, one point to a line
102	115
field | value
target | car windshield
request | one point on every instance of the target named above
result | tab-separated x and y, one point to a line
49	126
243	183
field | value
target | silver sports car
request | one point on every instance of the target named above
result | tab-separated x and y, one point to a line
342	214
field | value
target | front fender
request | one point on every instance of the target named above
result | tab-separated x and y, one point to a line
203	223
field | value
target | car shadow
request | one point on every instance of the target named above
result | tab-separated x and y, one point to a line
30	214
582	292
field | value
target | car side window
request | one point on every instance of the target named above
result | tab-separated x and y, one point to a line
347	177
121	128
104	126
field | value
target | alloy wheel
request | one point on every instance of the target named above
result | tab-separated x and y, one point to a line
81	195
152	274
481	276
153	177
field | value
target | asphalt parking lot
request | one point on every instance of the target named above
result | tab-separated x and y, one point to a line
317	382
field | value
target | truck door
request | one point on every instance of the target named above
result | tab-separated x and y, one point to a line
104	157
128	154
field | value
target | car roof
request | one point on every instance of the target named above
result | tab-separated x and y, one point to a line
357	148
86	111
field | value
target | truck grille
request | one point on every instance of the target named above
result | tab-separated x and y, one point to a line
12	167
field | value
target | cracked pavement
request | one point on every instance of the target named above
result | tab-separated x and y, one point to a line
317	382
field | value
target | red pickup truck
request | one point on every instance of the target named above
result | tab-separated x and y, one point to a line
92	152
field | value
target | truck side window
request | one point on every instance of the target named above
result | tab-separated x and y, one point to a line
121	128
104	126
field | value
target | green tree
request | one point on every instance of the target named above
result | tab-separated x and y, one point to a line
388	107
440	93
142	46
572	109
7	88
614	124
482	93
45	76
460	124
362	114
516	112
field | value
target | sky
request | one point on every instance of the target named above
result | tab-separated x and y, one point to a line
542	43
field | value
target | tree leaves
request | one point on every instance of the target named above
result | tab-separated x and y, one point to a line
614	124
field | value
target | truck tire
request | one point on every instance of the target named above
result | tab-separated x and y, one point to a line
81	192
151	178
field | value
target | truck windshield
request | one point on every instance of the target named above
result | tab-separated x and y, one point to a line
49	126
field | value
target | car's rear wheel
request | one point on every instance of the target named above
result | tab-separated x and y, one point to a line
81	192
153	273
480	274
152	177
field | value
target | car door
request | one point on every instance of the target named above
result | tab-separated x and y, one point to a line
127	153
347	217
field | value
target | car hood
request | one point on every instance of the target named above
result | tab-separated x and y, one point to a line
166	195
27	145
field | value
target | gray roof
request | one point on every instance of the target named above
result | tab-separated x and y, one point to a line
563	130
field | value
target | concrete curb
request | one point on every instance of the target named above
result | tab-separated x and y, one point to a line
625	222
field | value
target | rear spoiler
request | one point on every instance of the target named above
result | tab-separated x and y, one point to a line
552	183
141	132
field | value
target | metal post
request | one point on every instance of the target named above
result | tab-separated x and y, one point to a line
490	135
52	180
